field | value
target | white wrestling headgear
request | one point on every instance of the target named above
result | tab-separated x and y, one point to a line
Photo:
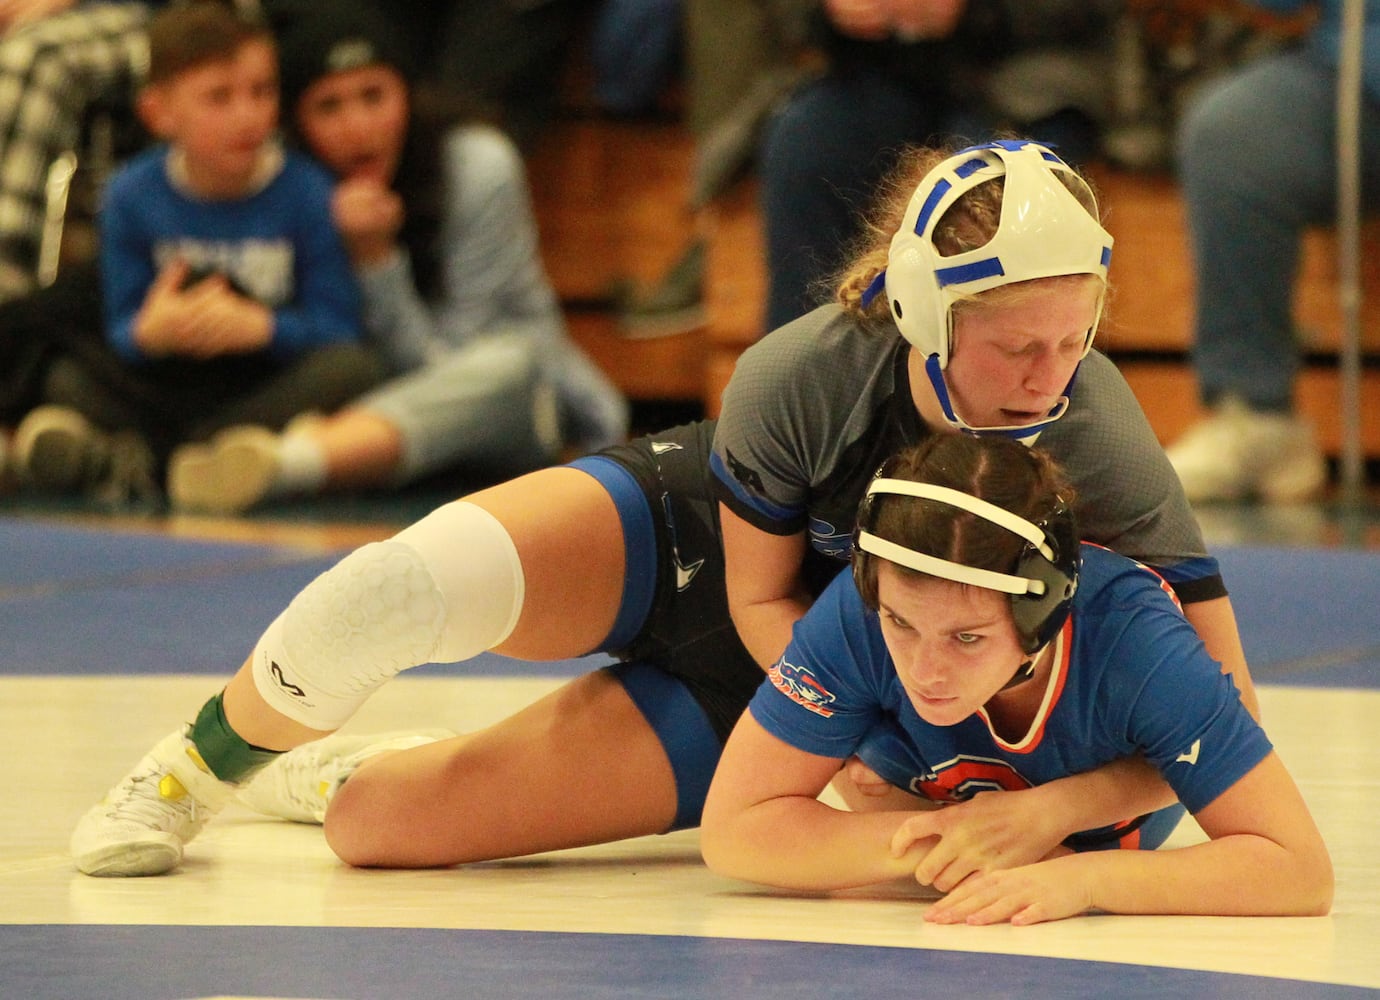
1043	232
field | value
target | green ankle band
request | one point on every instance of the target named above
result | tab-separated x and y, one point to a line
228	756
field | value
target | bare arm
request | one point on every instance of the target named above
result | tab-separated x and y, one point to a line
1265	858
766	594
15	13
763	823
912	19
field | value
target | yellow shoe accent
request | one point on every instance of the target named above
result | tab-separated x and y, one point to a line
171	789
195	754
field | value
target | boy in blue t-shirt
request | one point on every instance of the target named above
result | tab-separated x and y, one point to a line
228	296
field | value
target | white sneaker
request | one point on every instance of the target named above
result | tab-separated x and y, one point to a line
1238	453
298	786
231	473
142	824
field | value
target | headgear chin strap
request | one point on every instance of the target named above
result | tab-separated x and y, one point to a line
1018	431
1046	572
1043	232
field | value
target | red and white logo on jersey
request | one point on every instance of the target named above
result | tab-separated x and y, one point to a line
959	779
801	686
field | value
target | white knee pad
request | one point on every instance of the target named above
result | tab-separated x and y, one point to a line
445	589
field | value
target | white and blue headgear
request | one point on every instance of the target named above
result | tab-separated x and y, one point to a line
1043	232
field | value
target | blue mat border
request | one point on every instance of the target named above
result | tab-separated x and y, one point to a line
134	962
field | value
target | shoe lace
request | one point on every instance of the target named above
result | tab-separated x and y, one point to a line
143	803
308	782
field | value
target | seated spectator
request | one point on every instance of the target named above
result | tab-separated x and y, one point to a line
1258	165
435	214
226	289
58	58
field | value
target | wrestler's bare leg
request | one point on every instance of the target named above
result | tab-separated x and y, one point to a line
580	766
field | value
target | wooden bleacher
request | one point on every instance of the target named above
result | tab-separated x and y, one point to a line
610	199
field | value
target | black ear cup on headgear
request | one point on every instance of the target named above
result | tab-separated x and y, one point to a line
1039	617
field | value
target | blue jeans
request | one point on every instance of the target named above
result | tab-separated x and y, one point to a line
1257	163
823	155
635	49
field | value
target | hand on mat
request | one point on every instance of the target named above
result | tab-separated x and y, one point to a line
1027	895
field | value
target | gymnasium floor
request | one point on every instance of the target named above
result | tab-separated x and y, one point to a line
112	632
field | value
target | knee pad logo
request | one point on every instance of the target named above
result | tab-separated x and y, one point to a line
283	682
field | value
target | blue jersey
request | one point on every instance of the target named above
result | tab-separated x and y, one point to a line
1130	675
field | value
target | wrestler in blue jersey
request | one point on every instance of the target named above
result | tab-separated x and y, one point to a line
978	646
1121	666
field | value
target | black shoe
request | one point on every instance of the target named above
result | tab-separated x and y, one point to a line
57	450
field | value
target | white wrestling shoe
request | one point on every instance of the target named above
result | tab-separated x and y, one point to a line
298	786
142	824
